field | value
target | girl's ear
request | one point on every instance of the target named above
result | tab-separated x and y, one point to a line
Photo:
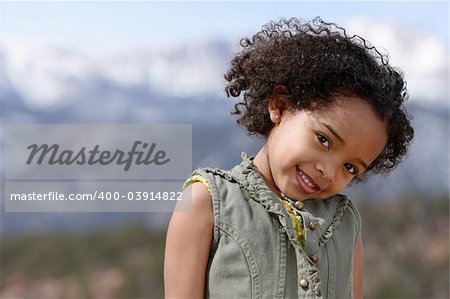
277	104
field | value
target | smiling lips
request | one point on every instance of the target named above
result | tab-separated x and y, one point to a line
305	183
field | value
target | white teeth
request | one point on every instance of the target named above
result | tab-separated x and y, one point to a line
307	181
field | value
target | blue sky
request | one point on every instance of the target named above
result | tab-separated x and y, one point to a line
117	25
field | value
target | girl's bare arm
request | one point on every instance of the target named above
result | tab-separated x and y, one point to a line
358	269
188	244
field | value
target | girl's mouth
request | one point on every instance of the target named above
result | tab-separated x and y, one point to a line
306	183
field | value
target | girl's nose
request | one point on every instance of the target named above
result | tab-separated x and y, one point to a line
327	171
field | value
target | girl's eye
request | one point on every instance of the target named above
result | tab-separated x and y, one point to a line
351	169
324	140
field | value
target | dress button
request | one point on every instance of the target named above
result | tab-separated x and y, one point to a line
299	204
313	225
314	259
303	283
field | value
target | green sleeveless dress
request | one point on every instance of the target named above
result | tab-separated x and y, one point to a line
266	247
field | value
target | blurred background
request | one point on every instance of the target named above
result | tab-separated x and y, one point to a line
155	62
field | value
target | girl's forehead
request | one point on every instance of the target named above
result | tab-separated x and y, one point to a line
354	122
344	106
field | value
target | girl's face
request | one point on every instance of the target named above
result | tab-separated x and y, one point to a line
315	154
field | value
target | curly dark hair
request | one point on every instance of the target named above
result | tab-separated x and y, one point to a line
308	63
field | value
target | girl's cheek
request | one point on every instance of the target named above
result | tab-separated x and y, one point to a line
345	183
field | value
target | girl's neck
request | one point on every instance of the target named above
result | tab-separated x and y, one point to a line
261	161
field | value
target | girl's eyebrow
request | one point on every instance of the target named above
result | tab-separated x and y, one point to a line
333	131
330	128
363	164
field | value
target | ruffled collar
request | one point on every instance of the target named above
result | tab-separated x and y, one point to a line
255	184
251	180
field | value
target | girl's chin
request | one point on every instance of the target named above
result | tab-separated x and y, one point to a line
304	197
297	197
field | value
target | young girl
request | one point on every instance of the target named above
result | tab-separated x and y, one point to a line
275	226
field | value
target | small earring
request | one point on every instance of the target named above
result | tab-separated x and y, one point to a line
275	118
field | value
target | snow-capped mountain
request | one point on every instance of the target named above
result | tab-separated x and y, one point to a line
47	77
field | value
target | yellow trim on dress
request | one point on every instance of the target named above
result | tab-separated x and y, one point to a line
196	178
297	223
